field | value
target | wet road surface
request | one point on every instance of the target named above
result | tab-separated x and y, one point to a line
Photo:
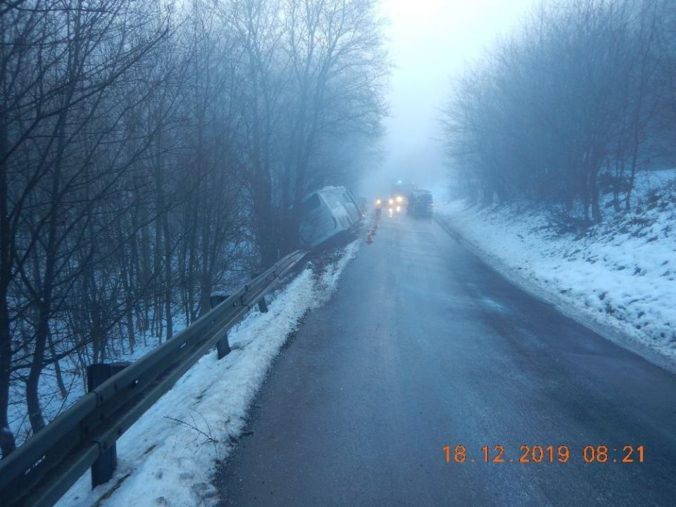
424	346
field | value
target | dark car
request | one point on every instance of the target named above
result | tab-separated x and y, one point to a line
420	204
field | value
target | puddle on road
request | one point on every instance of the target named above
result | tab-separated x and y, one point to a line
494	304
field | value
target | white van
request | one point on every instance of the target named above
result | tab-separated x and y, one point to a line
326	213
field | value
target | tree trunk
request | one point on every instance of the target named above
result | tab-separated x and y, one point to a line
33	383
7	443
57	368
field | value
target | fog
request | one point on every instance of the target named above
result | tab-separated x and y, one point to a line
155	155
429	43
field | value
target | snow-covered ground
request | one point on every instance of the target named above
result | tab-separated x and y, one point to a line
73	369
168	457
50	400
620	275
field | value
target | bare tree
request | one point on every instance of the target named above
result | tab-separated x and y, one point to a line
561	112
150	152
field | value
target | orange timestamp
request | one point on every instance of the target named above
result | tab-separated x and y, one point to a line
562	453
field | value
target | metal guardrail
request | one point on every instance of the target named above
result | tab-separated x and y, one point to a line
41	470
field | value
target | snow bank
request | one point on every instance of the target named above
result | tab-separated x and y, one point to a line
619	275
168	456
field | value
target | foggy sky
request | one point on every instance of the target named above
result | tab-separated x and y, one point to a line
429	43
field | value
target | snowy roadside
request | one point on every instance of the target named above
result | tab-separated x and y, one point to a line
618	279
168	457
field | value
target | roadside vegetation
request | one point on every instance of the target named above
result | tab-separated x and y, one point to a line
151	152
561	147
566	111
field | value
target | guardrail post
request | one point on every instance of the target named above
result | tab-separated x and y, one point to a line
222	345
103	468
43	468
262	303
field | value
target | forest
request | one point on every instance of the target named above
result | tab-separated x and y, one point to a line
151	152
566	110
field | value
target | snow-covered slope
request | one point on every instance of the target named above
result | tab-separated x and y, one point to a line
168	456
621	274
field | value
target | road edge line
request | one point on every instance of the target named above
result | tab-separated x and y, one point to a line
607	330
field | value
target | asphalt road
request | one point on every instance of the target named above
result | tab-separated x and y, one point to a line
424	346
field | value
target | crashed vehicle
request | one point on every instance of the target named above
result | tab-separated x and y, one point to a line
327	213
